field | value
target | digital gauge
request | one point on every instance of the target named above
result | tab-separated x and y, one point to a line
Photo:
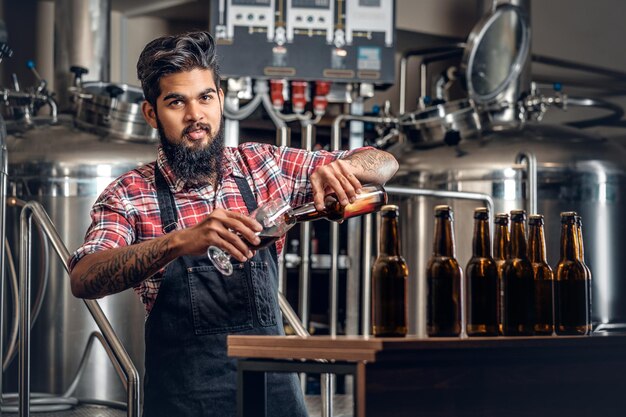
310	18
366	16
254	14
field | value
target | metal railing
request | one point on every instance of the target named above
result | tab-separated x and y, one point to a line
119	357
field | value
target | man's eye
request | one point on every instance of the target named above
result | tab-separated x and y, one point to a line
207	97
175	103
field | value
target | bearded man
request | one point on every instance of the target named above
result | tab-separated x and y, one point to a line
152	226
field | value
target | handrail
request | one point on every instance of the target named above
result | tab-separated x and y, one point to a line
4	169
35	210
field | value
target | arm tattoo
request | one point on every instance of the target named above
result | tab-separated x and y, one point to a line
366	161
127	268
372	164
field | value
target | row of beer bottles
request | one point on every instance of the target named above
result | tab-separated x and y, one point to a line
515	292
512	293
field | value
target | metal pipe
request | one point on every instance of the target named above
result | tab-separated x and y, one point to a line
4	164
36	210
457	195
617	111
24	292
305	238
336	127
282	139
404	66
424	65
572	65
367	276
530	160
334	259
291	316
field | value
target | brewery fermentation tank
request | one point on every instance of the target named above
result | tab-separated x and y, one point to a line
66	169
575	171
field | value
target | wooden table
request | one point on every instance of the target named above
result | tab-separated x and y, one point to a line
504	376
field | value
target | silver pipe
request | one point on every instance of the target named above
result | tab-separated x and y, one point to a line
305	239
404	67
282	139
573	65
24	291
458	195
53	109
291	316
232	110
424	68
36	210
334	259
531	176
336	127
367	276
4	169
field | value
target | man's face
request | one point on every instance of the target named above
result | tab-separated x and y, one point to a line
188	116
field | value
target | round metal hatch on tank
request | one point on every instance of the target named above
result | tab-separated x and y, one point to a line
496	52
575	171
65	169
115	109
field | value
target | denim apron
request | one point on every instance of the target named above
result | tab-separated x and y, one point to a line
188	373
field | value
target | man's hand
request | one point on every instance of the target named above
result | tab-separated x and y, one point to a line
230	231
344	176
337	178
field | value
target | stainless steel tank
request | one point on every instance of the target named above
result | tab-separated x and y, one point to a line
575	171
66	169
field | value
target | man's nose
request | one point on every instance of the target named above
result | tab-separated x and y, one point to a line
193	112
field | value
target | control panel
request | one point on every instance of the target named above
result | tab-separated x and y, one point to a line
310	40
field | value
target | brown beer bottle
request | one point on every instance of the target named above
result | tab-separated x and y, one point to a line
501	252
581	251
517	282
443	280
481	277
371	198
543	276
571	286
389	280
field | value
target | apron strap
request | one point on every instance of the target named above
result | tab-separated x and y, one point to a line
167	205
251	205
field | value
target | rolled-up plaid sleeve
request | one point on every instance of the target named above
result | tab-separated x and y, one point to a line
112	225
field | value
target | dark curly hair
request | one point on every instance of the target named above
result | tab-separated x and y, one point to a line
173	54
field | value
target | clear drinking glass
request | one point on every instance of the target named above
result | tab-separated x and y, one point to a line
276	218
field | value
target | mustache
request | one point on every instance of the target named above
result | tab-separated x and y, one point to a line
197	126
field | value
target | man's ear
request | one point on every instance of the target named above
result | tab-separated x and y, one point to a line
149	114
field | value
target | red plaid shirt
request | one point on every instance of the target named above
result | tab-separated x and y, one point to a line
127	211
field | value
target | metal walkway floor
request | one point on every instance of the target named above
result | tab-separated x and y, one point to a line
342	406
80	411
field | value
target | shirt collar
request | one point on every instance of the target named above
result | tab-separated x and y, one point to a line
178	185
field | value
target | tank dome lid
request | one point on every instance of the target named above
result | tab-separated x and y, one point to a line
496	51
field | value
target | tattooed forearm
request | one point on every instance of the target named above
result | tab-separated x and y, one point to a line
125	267
372	165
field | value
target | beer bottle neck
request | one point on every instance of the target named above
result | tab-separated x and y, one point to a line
389	239
518	240
501	246
569	242
307	212
444	238
537	244
482	240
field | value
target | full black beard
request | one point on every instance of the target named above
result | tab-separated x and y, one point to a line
195	166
